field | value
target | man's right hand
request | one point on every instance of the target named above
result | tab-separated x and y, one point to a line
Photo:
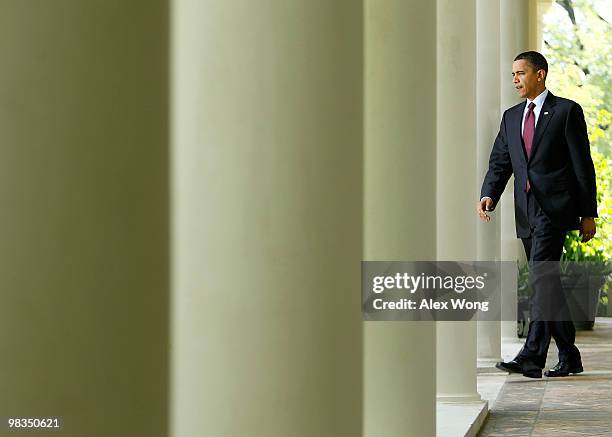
486	204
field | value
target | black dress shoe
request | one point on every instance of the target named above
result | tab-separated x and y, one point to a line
564	368
524	367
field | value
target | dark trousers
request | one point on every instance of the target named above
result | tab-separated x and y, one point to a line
546	244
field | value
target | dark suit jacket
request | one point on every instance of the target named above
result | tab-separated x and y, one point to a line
560	168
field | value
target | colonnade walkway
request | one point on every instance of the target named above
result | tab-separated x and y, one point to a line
578	405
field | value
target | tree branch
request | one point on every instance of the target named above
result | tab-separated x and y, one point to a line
569	8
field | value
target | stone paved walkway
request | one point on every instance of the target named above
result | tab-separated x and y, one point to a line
579	405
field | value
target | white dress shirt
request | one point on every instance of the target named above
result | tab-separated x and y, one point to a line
539	102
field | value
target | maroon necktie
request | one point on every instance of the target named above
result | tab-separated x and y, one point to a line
528	132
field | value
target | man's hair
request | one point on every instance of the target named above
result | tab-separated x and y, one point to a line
537	60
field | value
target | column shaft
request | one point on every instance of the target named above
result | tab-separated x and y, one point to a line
514	39
267	229
84	189
399	398
487	124
455	195
537	10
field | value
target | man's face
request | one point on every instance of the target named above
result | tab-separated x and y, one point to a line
528	81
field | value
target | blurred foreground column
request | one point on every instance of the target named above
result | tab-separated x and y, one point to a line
83	185
400	207
266	331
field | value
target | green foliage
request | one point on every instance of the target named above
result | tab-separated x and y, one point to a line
599	248
578	46
524	289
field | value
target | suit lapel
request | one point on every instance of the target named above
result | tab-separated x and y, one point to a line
546	114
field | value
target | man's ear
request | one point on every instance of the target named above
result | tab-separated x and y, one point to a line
541	75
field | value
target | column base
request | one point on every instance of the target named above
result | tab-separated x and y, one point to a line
456	399
460	418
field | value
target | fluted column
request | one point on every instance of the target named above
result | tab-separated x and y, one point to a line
83	183
487	126
514	39
400	207
456	157
266	227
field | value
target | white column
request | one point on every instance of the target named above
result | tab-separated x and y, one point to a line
514	39
84	189
400	209
487	126
266	332
455	195
537	10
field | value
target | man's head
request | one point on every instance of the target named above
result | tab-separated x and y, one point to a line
529	71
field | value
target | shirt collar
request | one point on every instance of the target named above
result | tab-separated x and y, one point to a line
539	100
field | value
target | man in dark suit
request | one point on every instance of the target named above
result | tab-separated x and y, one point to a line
543	142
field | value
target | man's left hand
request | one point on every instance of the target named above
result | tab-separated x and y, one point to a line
587	228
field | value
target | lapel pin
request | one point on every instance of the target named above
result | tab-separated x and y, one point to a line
546	113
